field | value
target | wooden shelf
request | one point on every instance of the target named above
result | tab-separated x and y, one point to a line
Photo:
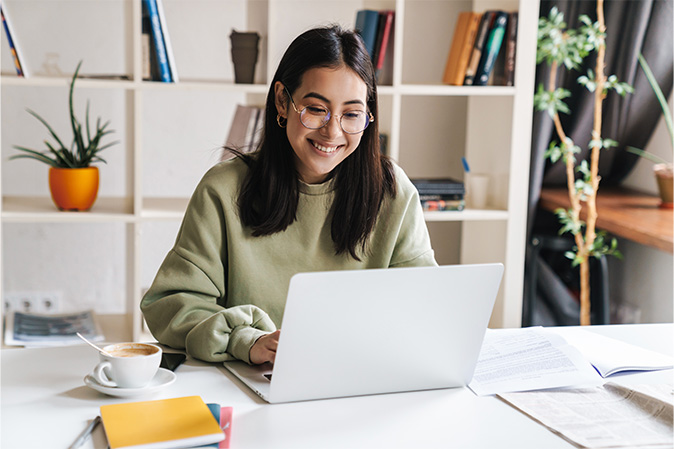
467	215
42	209
625	213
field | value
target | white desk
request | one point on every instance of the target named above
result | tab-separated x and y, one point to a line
46	405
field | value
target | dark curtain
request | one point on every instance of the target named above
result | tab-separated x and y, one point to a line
631	27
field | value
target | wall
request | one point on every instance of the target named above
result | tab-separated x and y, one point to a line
642	285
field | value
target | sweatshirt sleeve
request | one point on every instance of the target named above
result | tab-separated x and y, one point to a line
413	243
183	306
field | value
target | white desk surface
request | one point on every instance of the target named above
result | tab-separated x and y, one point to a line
45	404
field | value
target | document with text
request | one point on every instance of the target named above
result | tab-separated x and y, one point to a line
529	359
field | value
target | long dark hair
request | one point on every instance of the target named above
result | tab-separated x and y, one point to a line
270	192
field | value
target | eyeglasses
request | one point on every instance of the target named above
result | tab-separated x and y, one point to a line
316	117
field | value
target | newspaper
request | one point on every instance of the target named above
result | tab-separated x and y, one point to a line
31	329
607	416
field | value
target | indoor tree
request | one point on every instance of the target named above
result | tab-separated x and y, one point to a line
561	47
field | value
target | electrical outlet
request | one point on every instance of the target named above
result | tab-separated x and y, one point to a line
32	302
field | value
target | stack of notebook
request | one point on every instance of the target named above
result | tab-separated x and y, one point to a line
440	193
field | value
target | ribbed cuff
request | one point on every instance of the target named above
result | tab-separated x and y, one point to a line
241	340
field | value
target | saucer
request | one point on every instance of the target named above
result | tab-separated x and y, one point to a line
162	379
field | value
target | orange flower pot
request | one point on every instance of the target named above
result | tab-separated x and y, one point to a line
73	188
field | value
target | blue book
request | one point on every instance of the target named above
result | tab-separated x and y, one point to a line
491	49
158	38
367	22
18	65
215	410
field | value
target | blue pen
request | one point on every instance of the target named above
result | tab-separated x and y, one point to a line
465	165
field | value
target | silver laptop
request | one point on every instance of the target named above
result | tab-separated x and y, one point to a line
352	333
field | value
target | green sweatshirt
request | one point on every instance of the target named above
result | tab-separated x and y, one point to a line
219	288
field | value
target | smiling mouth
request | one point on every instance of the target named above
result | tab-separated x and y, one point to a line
324	149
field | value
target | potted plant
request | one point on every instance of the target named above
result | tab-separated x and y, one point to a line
73	181
662	169
559	46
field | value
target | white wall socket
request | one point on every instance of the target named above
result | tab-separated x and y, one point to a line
33	302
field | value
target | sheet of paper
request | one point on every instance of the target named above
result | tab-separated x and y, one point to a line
611	415
610	356
529	359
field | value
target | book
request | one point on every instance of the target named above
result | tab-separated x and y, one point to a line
149	67
254	131
167	41
34	329
480	41
158	39
160	424
443	205
439	186
510	50
378	40
367	21
13	46
223	416
441	196
461	48
491	49
245	131
383	38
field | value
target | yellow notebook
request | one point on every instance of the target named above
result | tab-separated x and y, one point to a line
161	424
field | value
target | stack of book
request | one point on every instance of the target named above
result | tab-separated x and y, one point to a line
483	49
375	27
440	194
158	61
167	423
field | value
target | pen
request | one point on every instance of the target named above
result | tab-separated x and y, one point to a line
465	165
85	433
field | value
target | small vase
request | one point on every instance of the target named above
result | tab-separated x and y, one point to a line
73	189
665	179
244	55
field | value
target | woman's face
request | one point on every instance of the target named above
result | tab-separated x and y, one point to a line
319	151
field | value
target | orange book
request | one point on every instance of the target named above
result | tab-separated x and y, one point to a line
462	46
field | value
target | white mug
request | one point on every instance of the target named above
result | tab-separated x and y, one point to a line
132	365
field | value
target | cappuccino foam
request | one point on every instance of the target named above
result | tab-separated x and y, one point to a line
132	351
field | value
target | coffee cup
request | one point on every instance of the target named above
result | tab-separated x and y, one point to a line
129	365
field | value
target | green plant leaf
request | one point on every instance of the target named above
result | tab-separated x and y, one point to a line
33	154
650	156
658	94
44	122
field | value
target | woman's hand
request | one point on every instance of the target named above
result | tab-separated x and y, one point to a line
264	349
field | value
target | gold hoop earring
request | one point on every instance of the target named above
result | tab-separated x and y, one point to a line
278	120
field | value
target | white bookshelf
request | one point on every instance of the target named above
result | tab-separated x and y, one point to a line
430	127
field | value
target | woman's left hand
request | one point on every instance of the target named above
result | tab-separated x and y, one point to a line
264	349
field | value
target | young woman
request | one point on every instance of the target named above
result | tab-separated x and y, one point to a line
316	196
